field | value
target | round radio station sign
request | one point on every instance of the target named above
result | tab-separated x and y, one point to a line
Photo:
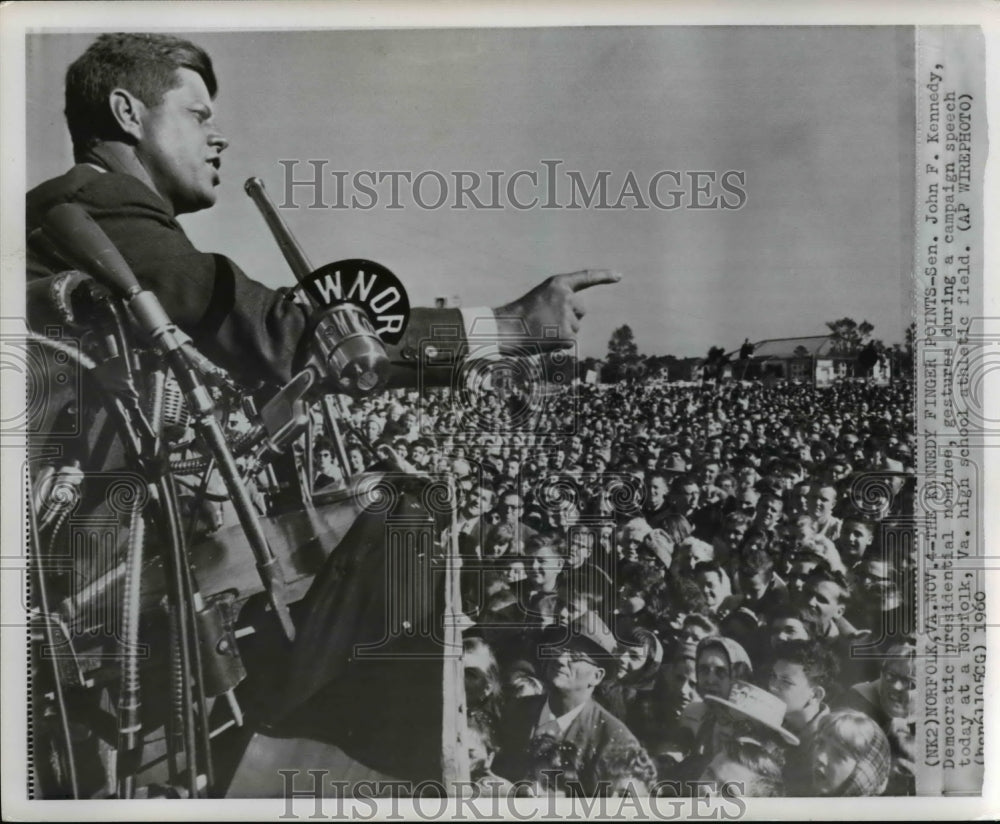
366	284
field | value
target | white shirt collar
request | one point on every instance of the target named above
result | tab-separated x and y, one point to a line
562	721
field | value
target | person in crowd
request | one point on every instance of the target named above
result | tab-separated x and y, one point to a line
822	502
567	718
850	756
856	535
743	767
803	675
891	702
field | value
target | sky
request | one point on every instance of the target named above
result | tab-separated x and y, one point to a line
820	121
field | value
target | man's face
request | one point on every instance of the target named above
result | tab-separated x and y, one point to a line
573	672
657	492
876	578
680	682
544	566
823	602
580	547
769	512
713	674
897	688
788	629
710	584
708	473
821	502
854	539
180	145
789	682
418	454
754	580
687	497
734	533
510	509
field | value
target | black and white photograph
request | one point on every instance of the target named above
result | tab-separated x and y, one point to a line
580	418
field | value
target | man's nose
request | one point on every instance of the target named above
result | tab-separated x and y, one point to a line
217	141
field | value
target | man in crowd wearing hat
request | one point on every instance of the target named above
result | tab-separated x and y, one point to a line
573	661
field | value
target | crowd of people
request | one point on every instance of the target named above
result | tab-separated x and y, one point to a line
674	588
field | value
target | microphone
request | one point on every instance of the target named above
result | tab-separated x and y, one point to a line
78	238
83	243
344	345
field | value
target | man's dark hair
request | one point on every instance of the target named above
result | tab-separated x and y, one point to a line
817	660
822	572
682	481
144	64
706	568
753	559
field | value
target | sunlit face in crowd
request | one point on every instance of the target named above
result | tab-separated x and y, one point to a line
713	672
832	765
324	461
789	682
854	539
708	473
631	659
824	602
897	687
769	510
180	145
543	567
657	492
821	502
712	587
356	458
419	454
573	673
788	629
516	572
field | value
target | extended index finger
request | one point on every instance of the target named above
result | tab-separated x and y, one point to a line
590	277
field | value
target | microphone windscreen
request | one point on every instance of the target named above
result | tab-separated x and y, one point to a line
84	244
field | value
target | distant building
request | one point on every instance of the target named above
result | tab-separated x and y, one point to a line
447	302
816	359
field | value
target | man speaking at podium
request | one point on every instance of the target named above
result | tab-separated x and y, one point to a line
140	110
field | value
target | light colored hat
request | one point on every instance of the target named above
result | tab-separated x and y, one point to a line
758	705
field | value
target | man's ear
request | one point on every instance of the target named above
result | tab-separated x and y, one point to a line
599	674
127	110
819	693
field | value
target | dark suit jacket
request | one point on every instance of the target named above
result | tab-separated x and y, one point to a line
241	324
595	733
